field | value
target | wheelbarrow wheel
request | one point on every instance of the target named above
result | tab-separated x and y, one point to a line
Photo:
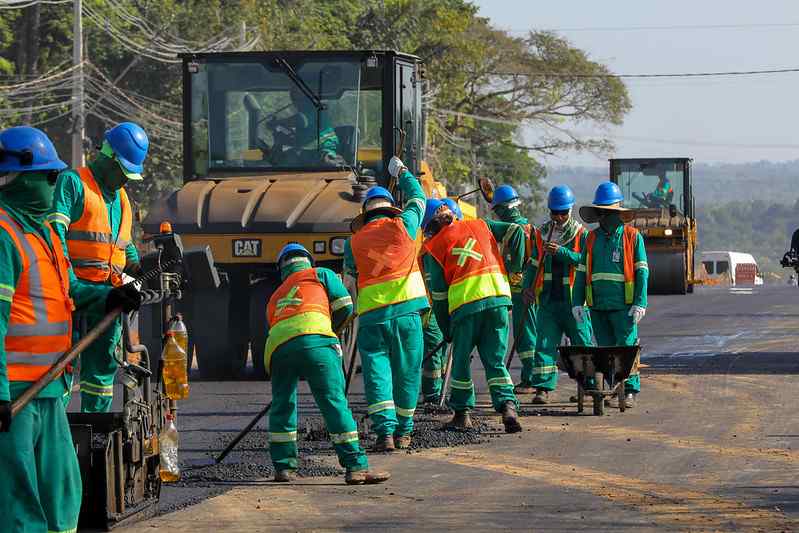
599	398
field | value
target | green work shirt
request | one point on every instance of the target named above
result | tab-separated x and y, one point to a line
609	295
513	235
514	217
68	206
411	217
567	258
340	306
82	293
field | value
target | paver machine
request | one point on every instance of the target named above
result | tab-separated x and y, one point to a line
659	190
280	147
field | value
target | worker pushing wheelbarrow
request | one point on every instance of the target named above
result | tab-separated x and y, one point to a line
600	372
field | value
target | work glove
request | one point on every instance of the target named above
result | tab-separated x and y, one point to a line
637	312
578	312
395	167
528	295
5	416
127	297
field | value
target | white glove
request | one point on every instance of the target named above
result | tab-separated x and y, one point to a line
578	312
395	166
637	312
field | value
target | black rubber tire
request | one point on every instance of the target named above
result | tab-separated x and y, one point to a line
206	313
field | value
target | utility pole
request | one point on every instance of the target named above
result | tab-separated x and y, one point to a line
243	34
77	86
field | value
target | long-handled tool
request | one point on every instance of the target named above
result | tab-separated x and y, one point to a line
62	362
348	372
485	187
447	376
527	306
262	413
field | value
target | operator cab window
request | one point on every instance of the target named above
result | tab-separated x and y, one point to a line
652	185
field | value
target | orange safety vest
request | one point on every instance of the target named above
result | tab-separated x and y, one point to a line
40	321
628	244
94	256
472	263
299	306
388	269
538	286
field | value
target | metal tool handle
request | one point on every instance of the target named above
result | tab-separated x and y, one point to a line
243	433
62	362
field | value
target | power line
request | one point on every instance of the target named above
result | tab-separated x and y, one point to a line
668	75
663	28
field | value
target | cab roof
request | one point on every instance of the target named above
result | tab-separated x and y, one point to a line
296	54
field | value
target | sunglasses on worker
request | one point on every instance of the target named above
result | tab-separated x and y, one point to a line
559	212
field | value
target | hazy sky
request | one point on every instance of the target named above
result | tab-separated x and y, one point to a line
730	119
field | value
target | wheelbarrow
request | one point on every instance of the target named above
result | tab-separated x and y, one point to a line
599	372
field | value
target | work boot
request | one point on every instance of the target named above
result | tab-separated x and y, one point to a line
521	388
364	477
384	443
432	400
460	421
402	442
509	418
541	397
284	476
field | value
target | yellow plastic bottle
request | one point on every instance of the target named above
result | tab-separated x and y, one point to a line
168	441
176	378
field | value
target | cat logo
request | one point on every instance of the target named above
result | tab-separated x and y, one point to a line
247	248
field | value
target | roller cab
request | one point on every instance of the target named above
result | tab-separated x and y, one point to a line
659	190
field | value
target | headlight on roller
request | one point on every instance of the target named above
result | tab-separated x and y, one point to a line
337	245
667	232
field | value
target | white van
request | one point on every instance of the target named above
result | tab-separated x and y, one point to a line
734	268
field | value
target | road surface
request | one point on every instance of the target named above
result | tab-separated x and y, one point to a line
709	447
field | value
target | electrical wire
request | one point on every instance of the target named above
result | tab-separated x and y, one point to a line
662	28
21	4
668	75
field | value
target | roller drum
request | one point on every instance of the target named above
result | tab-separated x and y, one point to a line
667	272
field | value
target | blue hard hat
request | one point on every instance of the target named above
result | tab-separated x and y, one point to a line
293	248
377	192
25	149
560	198
130	145
430	208
608	193
454	207
504	194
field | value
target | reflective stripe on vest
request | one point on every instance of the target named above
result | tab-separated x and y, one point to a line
299	306
628	278
472	265
387	263
540	275
95	256
40	319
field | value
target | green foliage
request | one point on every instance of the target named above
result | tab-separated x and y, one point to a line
485	89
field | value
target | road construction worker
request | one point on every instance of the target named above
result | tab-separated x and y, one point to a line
392	297
662	196
471	296
435	349
614	281
505	205
40	483
93	216
302	316
548	282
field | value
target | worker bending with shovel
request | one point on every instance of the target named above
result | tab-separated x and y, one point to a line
613	282
40	482
471	297
549	283
505	204
93	216
435	349
391	299
302	316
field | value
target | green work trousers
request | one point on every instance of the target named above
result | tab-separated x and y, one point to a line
40	485
524	326
321	368
98	364
616	328
553	320
391	353
435	350
488	332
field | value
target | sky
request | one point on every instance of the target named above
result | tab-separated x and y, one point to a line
724	119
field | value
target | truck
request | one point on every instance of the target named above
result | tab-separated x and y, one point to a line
281	147
659	191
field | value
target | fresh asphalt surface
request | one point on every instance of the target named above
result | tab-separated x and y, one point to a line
709	447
